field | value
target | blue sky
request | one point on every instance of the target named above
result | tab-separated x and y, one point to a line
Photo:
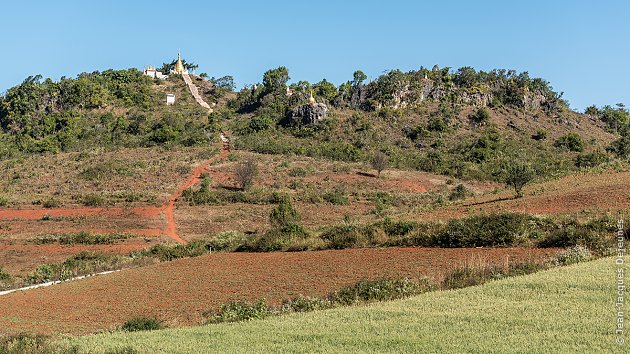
581	47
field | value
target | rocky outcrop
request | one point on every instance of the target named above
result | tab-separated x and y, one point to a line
308	114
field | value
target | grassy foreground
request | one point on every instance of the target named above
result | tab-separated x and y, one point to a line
567	309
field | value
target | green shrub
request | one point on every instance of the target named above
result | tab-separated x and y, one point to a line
336	197
571	141
470	276
377	290
284	214
93	200
573	255
142	324
480	117
227	241
495	230
3	202
592	159
348	236
398	228
305	304
569	236
241	311
51	203
459	192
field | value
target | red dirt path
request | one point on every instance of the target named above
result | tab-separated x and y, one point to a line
181	291
169	230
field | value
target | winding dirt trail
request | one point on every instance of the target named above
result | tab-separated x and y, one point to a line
167	209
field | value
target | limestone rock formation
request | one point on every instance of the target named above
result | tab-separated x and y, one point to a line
308	114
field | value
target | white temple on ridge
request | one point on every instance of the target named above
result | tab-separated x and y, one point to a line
178	70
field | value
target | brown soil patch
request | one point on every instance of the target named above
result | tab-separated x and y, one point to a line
180	291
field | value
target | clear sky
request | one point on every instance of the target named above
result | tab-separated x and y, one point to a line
581	47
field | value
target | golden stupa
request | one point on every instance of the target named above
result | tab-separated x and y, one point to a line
179	67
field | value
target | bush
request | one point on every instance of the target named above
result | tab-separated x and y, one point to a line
573	255
348	236
241	311
3	202
377	290
496	230
459	192
337	196
592	159
480	117
141	324
569	236
227	241
305	304
245	173
471	276
571	141
31	343
284	214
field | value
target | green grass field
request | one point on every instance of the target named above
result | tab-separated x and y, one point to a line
568	309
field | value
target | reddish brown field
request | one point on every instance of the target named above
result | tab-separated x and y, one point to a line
180	291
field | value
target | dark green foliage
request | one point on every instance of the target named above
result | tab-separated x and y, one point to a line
571	235
377	290
621	146
169	252
261	123
497	230
571	142
398	228
593	159
349	236
142	324
284	214
241	311
459	192
480	117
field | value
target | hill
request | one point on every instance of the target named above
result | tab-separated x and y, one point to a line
528	314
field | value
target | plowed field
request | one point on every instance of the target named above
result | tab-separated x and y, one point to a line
180	291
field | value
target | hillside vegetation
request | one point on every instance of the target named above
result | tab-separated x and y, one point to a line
535	313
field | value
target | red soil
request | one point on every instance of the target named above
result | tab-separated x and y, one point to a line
181	291
169	230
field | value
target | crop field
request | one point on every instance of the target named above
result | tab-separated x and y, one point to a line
179	292
562	310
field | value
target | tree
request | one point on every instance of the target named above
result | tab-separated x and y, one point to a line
518	175
225	82
276	79
379	162
245	173
358	76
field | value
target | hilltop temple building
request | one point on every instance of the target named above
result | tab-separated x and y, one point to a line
178	70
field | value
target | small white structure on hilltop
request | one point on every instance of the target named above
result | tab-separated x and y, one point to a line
170	99
152	72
